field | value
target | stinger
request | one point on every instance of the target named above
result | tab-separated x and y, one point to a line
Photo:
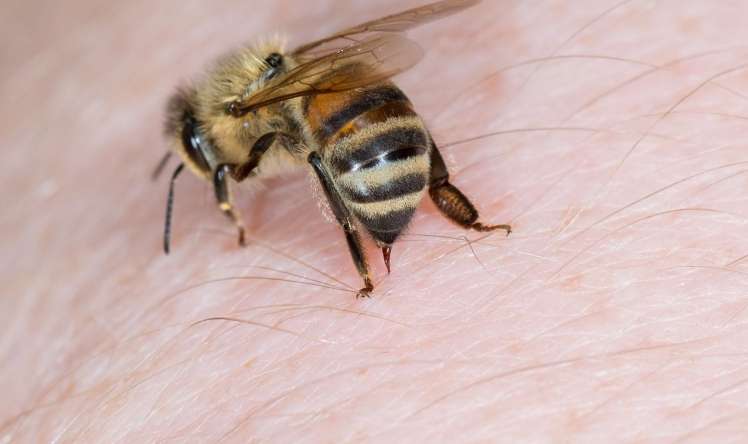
386	250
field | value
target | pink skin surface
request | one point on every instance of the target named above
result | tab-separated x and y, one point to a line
616	311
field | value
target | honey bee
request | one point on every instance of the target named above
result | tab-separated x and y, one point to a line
328	105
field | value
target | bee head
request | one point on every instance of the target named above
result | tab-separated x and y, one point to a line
204	120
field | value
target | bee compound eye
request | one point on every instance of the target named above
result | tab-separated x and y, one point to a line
192	144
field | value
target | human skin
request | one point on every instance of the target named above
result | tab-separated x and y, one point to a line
615	311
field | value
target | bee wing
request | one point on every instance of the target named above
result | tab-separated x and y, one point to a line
394	23
370	61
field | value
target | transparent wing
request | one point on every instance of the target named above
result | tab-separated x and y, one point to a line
370	61
394	23
359	56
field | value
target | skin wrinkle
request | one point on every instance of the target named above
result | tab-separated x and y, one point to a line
208	388
628	225
650	195
22	416
278	252
708	428
133	386
594	131
576	34
241	278
675	106
281	308
539	62
733	92
271	402
621	394
485	320
317	281
538	367
638	77
660	119
566	42
259	324
81	364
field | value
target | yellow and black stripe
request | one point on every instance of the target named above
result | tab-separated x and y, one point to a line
378	152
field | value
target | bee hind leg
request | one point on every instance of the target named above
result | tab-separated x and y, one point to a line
345	219
221	188
450	201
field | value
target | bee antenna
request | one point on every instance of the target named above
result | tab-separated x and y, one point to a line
160	167
169	204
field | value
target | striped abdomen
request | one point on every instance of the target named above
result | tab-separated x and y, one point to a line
378	152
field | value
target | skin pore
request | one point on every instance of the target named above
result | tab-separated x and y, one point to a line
616	310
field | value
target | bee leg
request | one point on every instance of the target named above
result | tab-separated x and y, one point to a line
343	215
255	154
450	200
221	188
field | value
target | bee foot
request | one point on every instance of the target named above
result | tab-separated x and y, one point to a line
366	291
485	228
363	293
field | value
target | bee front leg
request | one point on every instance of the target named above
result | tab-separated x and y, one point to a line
345	219
450	200
221	188
258	149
